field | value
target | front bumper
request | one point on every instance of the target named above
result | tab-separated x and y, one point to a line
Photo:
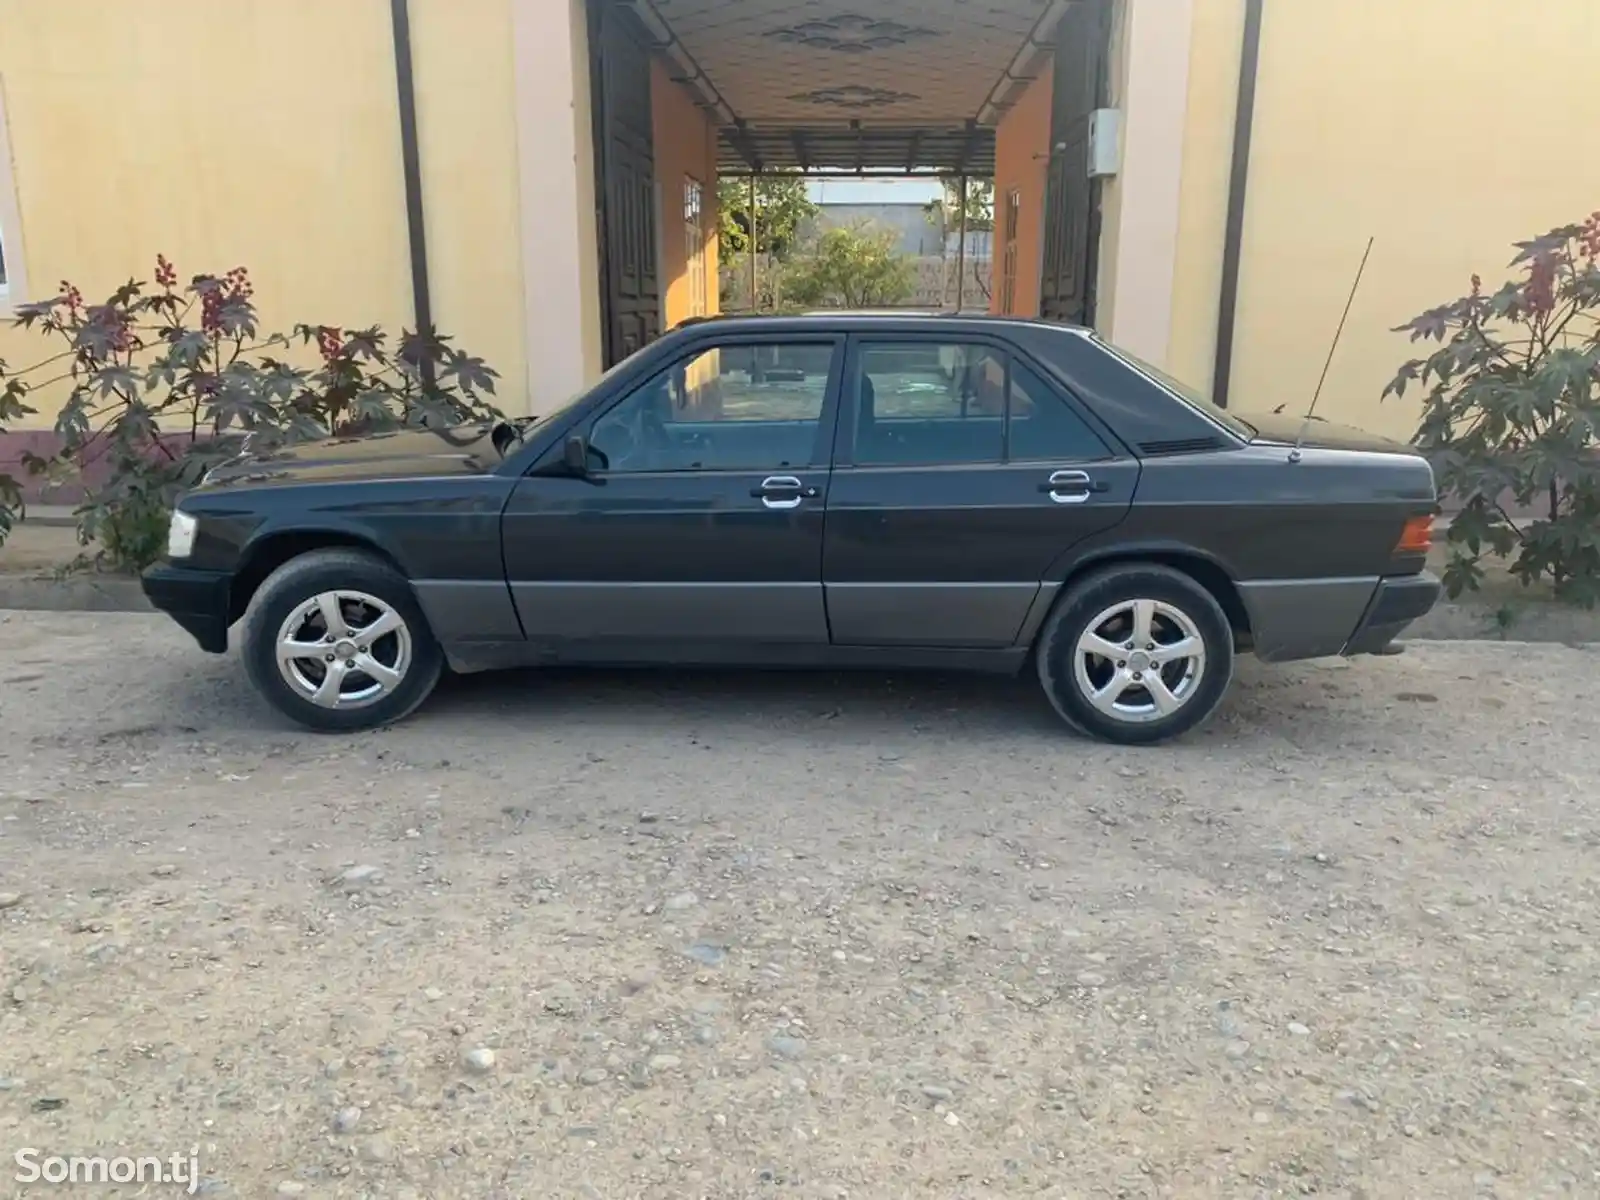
196	600
1395	604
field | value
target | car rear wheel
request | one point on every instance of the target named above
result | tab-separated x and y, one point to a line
336	641
1136	654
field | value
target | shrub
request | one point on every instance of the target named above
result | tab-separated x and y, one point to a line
854	267
12	409
1512	409
166	382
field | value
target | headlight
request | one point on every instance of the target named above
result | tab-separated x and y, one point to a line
180	535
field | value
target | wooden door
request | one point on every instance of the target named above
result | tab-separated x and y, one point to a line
625	165
1072	199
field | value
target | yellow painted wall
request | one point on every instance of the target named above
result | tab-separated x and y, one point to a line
1446	128
465	69
685	146
1020	142
259	133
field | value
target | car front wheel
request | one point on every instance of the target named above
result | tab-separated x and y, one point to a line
335	640
1136	654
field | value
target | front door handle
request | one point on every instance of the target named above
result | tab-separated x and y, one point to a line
1070	487
783	491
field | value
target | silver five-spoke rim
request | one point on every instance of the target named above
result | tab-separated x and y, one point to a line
344	649
1140	660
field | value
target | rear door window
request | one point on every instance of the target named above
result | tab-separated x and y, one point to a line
936	403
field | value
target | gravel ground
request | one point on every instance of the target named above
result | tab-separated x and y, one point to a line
624	935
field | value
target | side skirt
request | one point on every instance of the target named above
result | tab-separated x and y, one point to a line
467	658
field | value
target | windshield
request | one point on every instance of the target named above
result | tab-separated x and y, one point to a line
1215	411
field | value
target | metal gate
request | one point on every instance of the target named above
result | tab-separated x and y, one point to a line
1072	199
630	294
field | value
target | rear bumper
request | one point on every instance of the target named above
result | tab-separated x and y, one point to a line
1395	604
1294	619
196	600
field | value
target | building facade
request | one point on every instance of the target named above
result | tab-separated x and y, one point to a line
562	205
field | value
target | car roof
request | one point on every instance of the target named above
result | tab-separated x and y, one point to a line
868	318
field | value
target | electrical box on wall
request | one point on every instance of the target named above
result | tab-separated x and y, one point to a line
1105	142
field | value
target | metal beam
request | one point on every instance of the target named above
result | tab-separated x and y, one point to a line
666	42
967	147
1238	187
839	175
739	134
411	171
961	251
911	154
1041	41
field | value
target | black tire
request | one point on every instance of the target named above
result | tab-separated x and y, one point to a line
1178	598
295	585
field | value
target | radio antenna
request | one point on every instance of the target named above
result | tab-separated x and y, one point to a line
1305	425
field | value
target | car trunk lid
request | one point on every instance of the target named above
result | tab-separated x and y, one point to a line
1282	429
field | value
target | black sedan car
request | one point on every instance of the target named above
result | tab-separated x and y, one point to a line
839	490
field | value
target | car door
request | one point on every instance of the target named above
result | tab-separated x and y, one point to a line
699	525
960	475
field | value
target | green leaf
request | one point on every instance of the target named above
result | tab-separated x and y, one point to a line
108	381
469	373
1462	574
372	405
187	347
1407	374
1545	245
12	405
365	344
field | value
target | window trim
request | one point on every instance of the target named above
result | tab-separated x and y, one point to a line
14	291
827	419
696	265
844	442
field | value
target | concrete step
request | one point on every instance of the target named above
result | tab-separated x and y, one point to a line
51	514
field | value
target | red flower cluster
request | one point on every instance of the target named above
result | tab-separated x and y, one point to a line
1589	237
1539	294
119	331
166	273
232	288
72	298
330	342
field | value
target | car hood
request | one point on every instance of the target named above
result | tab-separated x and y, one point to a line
1284	429
473	449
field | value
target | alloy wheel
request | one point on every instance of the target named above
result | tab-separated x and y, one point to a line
344	649
1140	660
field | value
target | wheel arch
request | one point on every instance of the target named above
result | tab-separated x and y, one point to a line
266	553
1200	566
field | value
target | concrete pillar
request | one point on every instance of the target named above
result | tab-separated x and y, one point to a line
555	159
1154	98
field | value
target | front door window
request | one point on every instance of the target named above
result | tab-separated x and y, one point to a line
744	407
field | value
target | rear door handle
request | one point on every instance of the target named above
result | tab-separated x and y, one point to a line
1071	487
783	491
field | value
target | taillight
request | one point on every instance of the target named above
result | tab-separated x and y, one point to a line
1416	537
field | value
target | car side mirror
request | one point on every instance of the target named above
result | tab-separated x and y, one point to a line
575	454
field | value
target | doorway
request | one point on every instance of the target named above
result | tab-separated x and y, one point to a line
896	90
